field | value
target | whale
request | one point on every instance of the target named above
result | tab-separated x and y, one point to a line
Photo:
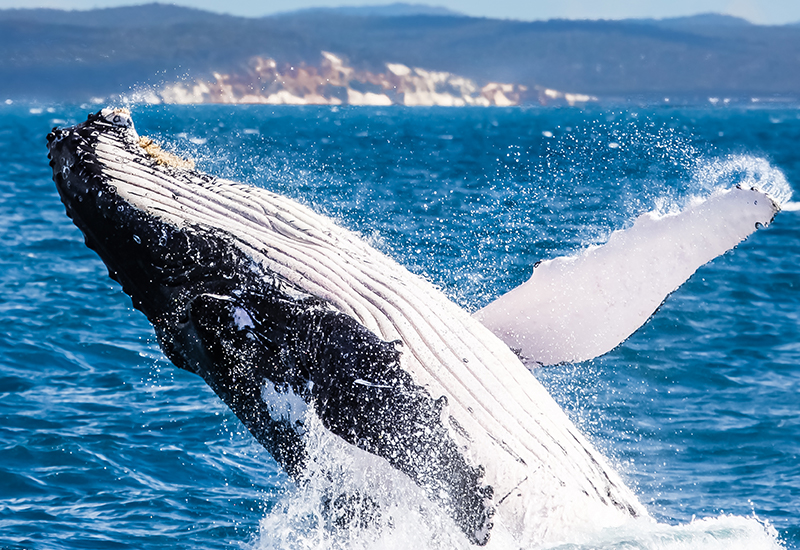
287	316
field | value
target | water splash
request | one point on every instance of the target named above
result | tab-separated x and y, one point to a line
350	499
725	532
745	171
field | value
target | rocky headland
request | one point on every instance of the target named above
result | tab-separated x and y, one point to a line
333	82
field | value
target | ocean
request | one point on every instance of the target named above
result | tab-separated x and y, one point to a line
104	444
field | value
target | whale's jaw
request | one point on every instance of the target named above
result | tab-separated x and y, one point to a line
260	296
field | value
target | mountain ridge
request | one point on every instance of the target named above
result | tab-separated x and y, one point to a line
396	9
99	53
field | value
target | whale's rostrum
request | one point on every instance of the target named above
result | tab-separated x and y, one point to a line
266	300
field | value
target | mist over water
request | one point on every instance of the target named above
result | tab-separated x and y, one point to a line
103	443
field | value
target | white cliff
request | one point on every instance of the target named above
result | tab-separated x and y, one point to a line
335	83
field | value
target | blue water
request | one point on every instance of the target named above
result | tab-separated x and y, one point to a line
104	444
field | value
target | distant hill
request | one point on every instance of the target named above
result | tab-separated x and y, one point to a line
74	55
398	9
140	16
696	21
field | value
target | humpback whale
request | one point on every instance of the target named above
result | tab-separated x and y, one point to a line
285	314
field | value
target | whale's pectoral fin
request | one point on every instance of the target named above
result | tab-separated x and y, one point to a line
577	308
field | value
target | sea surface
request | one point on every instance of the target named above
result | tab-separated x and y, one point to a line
105	445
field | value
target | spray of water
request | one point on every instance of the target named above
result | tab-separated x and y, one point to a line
745	171
350	499
725	532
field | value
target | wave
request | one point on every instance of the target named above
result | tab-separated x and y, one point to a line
725	532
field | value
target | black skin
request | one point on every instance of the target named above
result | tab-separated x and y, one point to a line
190	282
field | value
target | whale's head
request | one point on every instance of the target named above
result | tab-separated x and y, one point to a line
108	179
186	277
131	242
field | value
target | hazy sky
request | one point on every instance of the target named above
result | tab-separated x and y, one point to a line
757	11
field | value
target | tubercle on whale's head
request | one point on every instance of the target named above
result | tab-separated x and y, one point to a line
118	116
121	119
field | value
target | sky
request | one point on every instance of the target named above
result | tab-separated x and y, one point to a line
765	12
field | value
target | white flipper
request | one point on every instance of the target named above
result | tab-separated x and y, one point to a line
577	308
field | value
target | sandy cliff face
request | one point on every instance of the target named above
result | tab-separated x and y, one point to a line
335	83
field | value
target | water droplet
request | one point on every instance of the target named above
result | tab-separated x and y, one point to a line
137	239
